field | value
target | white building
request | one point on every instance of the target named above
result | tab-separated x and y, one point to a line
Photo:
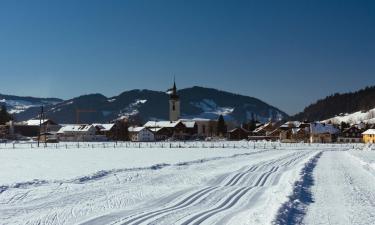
140	134
79	133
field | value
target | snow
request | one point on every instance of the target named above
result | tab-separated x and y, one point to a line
75	128
135	129
187	183
343	191
320	128
50	163
211	109
161	123
18	106
355	118
132	108
369	131
104	126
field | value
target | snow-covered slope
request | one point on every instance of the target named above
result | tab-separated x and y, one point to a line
16	104
144	105
354	118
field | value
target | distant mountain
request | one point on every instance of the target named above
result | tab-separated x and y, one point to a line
339	104
147	105
17	104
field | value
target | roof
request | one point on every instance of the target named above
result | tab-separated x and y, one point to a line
104	126
36	122
135	129
291	124
75	128
156	129
170	124
239	128
369	131
188	123
266	126
322	128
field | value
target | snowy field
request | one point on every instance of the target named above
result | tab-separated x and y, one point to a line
187	183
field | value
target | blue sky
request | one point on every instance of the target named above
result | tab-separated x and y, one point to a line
287	53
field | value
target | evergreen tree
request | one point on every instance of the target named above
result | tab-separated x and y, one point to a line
221	126
4	115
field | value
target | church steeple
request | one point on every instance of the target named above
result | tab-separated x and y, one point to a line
174	104
174	91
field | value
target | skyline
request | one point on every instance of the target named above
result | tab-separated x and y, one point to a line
288	55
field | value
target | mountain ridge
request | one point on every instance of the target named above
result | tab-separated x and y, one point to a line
145	104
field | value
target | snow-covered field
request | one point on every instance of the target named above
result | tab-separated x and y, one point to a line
187	183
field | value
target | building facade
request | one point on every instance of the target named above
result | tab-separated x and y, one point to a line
140	134
369	136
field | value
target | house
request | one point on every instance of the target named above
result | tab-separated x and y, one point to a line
322	133
369	136
140	134
83	132
161	133
31	128
177	129
350	135
205	127
238	133
110	130
294	131
191	127
264	130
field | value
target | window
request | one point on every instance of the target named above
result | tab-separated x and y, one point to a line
173	107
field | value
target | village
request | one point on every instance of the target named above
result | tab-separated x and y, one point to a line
177	128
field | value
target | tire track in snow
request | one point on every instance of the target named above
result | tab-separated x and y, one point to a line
231	201
262	179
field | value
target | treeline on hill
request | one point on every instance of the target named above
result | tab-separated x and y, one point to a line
362	100
4	115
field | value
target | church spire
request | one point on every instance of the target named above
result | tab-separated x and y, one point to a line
174	90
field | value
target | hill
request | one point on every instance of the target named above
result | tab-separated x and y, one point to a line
147	105
339	104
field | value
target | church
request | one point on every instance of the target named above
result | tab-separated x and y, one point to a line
179	128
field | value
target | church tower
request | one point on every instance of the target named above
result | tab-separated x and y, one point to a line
174	104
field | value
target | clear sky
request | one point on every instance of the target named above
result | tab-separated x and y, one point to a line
287	53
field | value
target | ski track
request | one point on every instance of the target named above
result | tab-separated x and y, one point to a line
245	182
342	192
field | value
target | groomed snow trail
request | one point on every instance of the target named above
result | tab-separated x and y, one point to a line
239	197
343	191
240	189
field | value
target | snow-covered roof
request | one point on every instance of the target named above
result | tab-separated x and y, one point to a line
135	129
264	127
155	129
75	128
169	124
291	124
188	123
238	128
321	128
35	122
369	131
104	126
